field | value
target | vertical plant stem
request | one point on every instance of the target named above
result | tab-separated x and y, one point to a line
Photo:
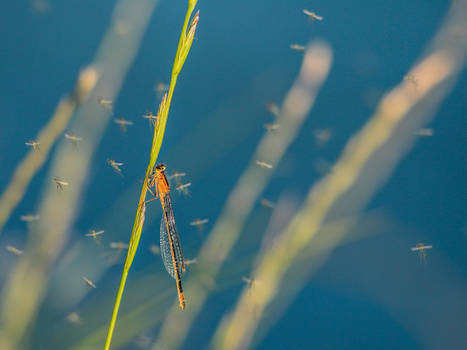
184	46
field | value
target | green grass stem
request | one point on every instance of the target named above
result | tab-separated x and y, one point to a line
184	45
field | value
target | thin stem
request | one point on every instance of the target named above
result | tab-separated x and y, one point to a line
184	45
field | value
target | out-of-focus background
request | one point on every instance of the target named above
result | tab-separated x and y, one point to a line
369	291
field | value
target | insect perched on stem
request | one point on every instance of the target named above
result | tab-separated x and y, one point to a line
151	118
170	246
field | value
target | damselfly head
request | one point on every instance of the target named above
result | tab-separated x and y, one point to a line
160	168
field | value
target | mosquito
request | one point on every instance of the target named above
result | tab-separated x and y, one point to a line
425	132
184	188
94	233
273	108
60	183
199	222
160	88
115	165
271	127
14	250
88	282
297	47
189	262
412	80
108	104
264	164
29	217
33	144
312	15
179	184
73	317
73	138
151	118
421	248
118	245
123	123
250	281
154	249
176	175
322	136
267	203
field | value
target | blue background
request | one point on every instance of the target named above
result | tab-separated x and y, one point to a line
370	294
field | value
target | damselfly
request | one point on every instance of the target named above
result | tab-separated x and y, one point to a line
170	247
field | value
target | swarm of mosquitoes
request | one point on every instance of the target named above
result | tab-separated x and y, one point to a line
321	136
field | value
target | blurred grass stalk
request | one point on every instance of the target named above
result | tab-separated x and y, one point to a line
35	158
26	286
333	234
368	159
272	147
184	45
142	317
